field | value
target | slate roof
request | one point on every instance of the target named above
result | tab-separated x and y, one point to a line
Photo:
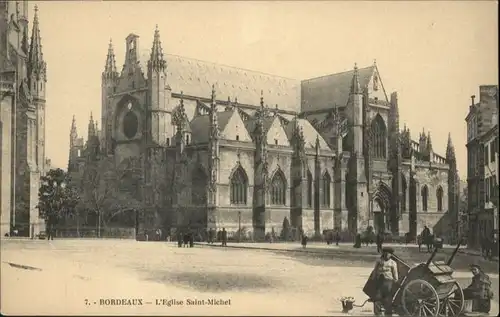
332	90
200	126
310	134
267	123
195	78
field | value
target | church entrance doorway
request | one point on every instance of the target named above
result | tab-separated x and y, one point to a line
381	208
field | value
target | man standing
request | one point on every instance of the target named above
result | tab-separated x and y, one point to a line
386	275
380	240
224	237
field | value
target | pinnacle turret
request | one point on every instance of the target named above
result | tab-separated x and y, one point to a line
91	128
110	70
450	150
355	87
73	132
36	65
156	61
429	142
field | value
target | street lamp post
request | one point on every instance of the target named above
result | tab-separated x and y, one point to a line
239	226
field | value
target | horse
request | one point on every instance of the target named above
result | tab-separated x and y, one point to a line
428	242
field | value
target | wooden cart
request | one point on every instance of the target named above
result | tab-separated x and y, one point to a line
427	289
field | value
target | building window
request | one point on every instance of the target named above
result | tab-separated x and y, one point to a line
237	138
379	137
278	189
187	139
168	141
79	153
239	185
309	189
486	152
326	190
493	148
130	124
425	194
439	197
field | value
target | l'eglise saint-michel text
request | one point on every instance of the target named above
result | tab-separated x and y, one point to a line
193	302
208	302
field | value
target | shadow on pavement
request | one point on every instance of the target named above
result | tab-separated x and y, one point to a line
214	281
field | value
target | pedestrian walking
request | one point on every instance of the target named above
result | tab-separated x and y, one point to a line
304	241
380	241
224	237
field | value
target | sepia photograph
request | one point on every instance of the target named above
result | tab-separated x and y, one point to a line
249	158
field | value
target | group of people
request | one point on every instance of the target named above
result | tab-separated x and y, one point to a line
220	235
489	246
386	277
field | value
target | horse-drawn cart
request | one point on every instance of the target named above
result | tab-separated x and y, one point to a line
427	289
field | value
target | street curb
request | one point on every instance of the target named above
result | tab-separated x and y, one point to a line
312	251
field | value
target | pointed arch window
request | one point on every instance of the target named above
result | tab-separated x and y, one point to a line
278	189
309	189
378	138
239	186
425	194
439	198
325	185
199	187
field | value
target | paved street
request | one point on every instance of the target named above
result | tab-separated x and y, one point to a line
82	276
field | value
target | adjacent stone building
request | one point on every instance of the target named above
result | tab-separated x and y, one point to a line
23	79
213	146
482	165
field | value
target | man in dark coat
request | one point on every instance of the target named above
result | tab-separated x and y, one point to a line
180	236
479	290
380	241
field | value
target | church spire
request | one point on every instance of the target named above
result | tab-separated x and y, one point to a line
355	87
156	61
36	65
110	70
450	150
91	129
73	132
429	142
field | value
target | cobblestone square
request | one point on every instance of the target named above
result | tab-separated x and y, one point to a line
92	277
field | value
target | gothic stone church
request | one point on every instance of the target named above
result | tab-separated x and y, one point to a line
221	147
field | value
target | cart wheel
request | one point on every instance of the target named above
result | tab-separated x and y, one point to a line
419	298
453	303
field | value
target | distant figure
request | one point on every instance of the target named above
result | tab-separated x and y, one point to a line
224	237
337	238
357	241
479	291
427	238
219	236
380	241
179	239
385	274
304	241
191	240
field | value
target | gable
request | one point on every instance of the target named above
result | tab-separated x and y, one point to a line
331	91
276	133
375	86
309	132
236	127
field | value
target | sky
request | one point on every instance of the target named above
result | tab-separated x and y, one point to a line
434	54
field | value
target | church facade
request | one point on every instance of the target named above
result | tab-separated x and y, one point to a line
211	146
23	79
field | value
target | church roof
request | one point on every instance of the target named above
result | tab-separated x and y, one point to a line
200	126
331	91
310	134
267	122
195	78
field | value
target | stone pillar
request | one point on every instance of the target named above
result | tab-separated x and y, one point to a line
340	208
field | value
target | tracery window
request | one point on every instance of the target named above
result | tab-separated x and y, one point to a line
278	189
309	189
425	194
326	190
378	137
439	197
239	187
